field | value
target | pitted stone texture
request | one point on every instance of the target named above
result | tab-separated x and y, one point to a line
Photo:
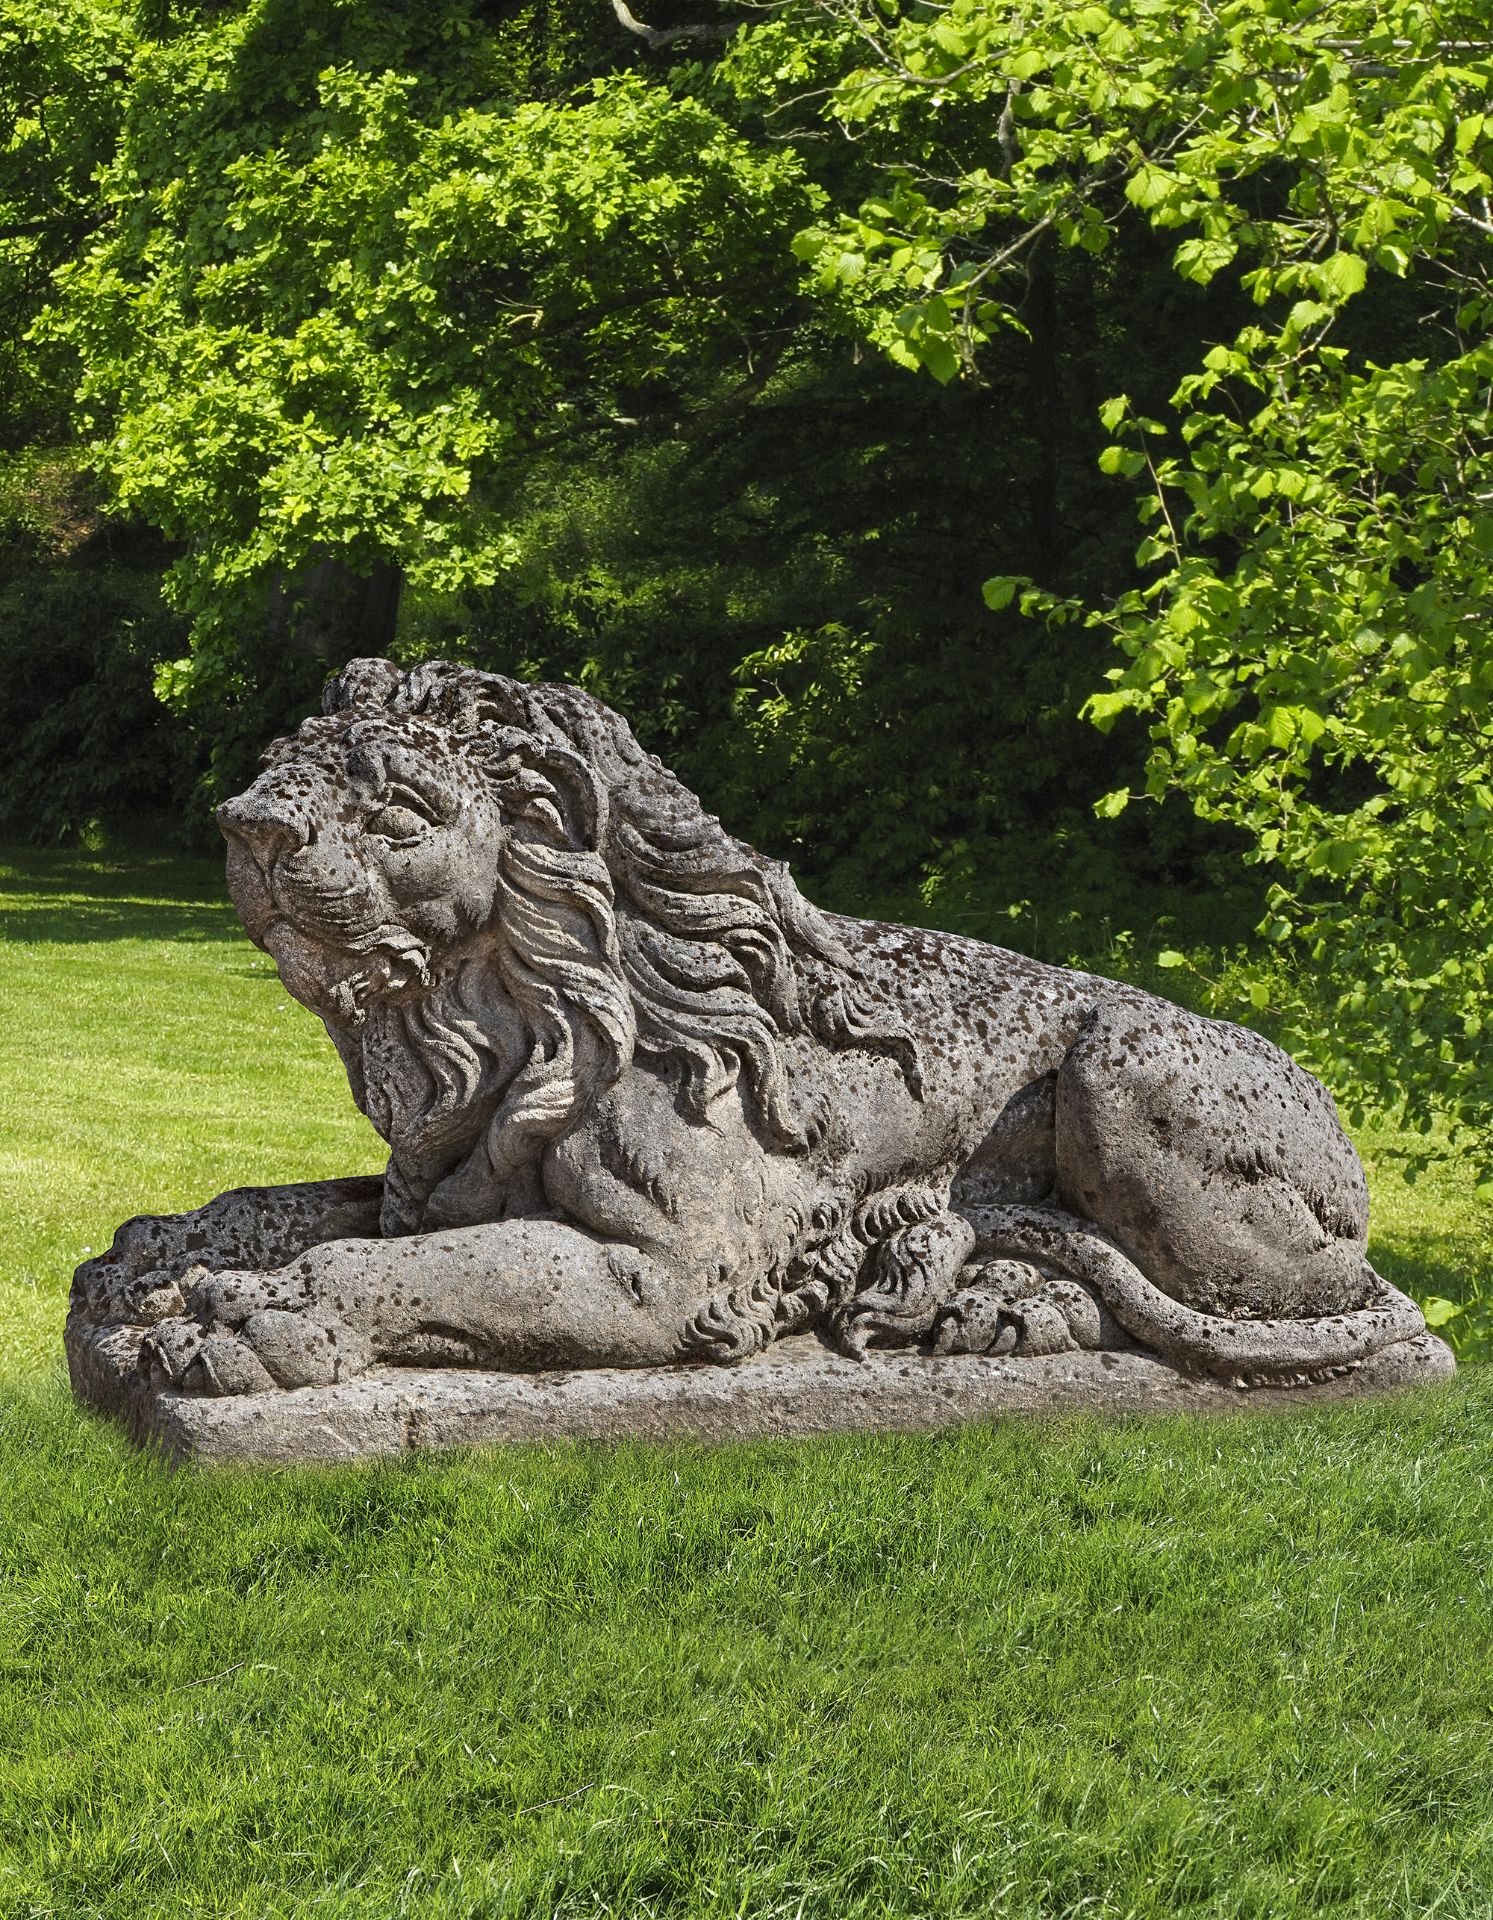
1158	1111
797	1388
646	1105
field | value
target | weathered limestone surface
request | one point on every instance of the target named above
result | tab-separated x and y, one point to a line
650	1113
797	1387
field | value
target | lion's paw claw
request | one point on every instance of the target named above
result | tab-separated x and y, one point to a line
169	1352
974	1322
1014	1309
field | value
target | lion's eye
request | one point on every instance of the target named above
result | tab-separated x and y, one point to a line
398	823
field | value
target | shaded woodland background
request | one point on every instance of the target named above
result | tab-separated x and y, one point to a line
868	399
772	560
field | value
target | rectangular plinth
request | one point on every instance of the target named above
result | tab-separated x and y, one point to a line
796	1387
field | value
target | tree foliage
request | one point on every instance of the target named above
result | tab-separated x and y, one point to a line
514	308
561	318
1305	629
344	295
61	63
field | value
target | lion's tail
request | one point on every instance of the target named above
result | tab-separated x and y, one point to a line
1205	1342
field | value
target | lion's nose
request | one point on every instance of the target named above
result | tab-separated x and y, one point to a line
255	822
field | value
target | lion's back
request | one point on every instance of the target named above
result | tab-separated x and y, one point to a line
985	1018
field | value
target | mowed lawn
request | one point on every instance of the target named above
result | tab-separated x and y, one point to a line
1239	1667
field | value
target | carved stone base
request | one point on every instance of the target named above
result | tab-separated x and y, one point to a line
797	1387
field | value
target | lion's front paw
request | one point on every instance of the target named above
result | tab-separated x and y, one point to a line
111	1295
188	1358
135	1282
306	1349
242	1334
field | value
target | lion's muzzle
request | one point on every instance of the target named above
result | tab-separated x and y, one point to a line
258	834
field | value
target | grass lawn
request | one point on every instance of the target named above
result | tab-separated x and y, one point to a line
1242	1667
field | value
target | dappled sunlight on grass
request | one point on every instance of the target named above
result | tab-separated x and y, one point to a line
151	1060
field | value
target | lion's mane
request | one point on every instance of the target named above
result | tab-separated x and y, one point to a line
629	923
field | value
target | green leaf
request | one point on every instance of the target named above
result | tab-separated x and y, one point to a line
937	354
1342	275
1200	260
1439	1311
1149	188
1103	709
1169	957
1121	460
1114	411
1112	804
1001	590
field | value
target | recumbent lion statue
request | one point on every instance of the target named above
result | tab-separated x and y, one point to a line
645	1104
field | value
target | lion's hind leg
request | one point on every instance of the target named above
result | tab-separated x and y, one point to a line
1007	1306
919	1278
1216	1162
918	1249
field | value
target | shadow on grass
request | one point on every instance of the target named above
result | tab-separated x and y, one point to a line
81	922
1442	1267
68	898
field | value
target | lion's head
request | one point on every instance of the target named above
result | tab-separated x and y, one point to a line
496	900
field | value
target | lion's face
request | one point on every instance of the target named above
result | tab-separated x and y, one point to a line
365	848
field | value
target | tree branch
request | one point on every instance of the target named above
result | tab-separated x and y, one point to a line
50	223
659	37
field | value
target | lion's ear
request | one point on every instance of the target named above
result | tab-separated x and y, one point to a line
552	791
362	683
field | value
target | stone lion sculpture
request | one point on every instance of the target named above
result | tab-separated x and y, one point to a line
645	1104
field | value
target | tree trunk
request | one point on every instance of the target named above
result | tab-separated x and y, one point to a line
331	612
1040	312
